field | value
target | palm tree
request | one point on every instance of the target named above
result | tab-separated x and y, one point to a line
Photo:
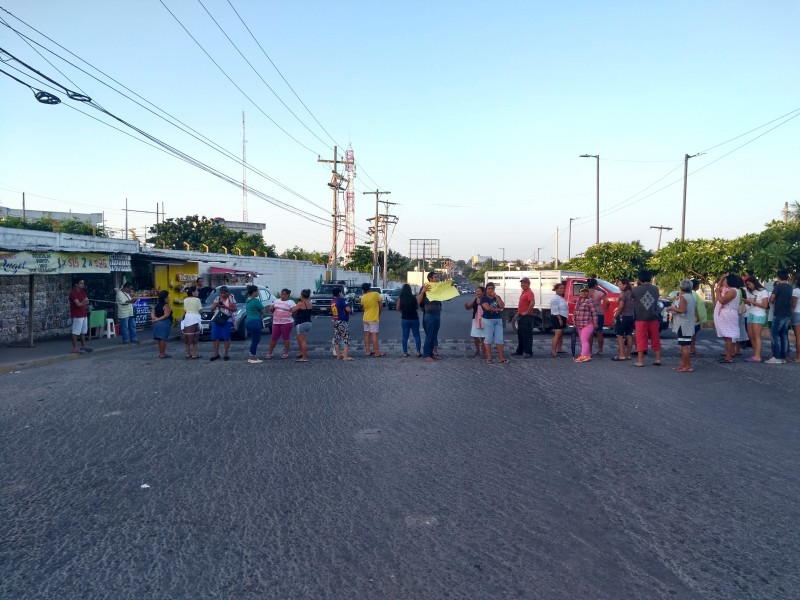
794	212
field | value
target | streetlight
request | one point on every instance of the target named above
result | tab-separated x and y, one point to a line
597	156
504	258
569	243
685	176
537	255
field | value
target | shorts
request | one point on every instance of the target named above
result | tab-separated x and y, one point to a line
757	319
647	330
795	319
601	322
281	330
555	324
370	326
341	333
684	339
624	326
221	332
477	332
303	328
191	332
494	331
80	325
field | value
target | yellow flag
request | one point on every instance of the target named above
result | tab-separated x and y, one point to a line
442	291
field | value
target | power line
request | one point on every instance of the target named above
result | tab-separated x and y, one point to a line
236	85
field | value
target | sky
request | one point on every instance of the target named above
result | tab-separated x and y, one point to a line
472	114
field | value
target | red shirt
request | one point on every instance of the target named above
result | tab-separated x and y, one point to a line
525	301
77	312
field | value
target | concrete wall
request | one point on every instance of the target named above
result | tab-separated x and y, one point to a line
51	307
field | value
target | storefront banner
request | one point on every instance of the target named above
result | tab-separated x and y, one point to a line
52	263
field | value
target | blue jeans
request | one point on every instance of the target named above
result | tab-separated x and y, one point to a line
253	327
127	329
780	336
410	325
430	323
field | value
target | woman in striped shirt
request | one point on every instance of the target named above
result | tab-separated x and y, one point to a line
585	318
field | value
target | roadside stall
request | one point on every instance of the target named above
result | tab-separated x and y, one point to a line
224	276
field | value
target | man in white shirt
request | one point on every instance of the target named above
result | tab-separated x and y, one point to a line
125	316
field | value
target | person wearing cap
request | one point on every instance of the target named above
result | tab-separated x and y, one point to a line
524	318
125	316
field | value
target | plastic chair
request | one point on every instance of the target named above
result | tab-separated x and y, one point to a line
110	329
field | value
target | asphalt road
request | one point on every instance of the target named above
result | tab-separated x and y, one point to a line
124	476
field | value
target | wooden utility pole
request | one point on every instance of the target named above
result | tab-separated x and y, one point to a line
375	231
661	229
25	220
555	266
336	185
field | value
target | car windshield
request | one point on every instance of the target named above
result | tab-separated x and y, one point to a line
394	292
609	286
239	294
328	289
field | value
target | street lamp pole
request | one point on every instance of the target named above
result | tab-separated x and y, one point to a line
597	156
569	242
685	177
537	255
504	258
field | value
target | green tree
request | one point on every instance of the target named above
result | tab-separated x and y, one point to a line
297	253
610	260
778	246
197	231
360	259
703	259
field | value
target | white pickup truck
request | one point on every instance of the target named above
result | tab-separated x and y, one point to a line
506	284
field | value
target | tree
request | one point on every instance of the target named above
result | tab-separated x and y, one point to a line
611	260
360	259
297	253
703	259
778	246
199	231
794	212
71	225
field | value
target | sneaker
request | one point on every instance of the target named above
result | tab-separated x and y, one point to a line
254	361
81	350
775	361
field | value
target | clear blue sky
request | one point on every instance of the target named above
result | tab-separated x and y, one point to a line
472	114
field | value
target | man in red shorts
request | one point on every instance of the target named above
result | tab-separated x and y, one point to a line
645	315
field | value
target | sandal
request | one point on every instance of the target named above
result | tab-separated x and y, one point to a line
285	355
725	361
488	360
380	354
657	363
617	359
505	361
300	360
349	358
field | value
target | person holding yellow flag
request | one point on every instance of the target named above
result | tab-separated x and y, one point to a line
431	319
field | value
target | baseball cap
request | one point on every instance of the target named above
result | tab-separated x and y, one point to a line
524	280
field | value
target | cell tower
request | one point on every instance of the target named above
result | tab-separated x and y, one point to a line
244	173
350	203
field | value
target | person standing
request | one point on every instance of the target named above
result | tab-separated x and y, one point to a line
125	316
224	305
431	319
477	332
624	324
161	314
585	319
645	316
559	314
684	317
781	299
282	323
757	301
702	315
493	306
302	320
203	291
524	319
372	303
409	319
190	325
79	311
254	322
340	312
726	314
601	303
796	318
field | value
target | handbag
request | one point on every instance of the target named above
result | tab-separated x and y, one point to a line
220	318
742	306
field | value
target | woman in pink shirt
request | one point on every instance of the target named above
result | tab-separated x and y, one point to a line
282	322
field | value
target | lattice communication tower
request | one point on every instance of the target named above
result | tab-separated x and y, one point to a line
350	203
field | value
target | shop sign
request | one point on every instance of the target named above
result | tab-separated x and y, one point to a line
52	263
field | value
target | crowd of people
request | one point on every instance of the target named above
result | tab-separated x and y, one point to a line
742	308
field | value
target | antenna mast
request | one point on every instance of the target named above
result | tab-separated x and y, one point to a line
350	203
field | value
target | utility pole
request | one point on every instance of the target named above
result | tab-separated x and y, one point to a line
569	242
556	263
685	178
336	185
661	229
785	211
375	230
126	218
25	220
386	220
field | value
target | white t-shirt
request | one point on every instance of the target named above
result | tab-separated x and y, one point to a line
796	294
559	306
757	296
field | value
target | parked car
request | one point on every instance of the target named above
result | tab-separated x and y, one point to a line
321	299
356	306
239	293
391	298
